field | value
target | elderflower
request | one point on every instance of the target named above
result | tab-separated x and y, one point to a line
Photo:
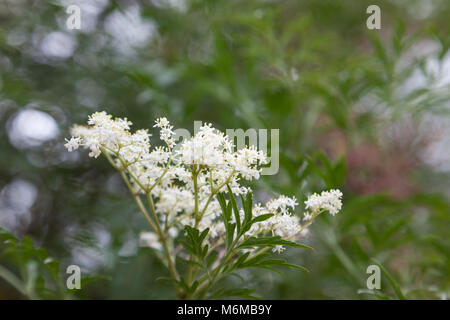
165	174
166	133
73	144
149	239
182	184
184	189
328	201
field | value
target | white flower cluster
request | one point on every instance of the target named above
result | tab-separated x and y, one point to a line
327	201
183	182
150	239
283	223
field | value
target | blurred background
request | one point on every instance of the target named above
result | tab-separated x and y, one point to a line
366	111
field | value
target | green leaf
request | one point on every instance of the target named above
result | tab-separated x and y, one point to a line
271	242
192	262
255	259
237	275
223	205
203	235
187	246
391	280
41	274
230	234
194	241
212	257
235	210
294	266
262	217
205	251
241	259
274	262
247	204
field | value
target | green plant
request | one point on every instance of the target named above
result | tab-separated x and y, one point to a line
186	190
40	276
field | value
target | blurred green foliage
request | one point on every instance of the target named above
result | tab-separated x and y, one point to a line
357	109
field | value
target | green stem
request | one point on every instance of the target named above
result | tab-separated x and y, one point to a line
198	216
216	271
214	191
13	280
190	271
130	188
163	238
194	178
154	224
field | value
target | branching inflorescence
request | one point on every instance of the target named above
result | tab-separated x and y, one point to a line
191	209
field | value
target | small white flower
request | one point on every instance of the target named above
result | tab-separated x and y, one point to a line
328	200
278	249
161	122
73	144
149	239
